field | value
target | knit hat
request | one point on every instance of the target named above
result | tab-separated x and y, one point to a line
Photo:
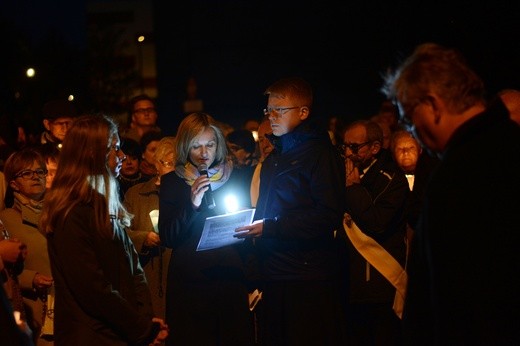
59	108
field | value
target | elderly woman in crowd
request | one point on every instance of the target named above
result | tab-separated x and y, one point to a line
25	174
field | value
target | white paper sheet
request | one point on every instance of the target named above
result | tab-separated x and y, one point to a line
219	230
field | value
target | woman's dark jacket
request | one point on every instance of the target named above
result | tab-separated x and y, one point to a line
102	297
207	291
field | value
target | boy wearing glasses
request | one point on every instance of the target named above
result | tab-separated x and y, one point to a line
300	204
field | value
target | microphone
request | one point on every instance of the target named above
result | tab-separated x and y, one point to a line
208	195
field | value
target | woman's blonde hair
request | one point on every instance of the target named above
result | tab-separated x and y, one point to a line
165	147
189	128
83	177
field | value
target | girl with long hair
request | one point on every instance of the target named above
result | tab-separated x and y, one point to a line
102	296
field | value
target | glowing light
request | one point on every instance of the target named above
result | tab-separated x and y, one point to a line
255	135
30	72
231	203
140	38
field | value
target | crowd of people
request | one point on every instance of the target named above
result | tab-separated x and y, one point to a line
395	229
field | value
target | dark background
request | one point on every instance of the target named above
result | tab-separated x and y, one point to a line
235	49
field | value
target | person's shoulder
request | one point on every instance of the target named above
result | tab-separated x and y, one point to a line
320	145
133	191
78	223
12	220
244	173
10	214
317	135
82	207
171	179
80	216
427	161
387	160
386	165
142	187
45	138
130	133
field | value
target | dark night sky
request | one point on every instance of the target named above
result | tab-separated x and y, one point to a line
235	49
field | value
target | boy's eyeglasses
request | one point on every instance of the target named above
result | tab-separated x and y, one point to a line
29	173
279	111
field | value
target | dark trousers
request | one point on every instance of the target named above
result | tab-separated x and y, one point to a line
301	313
373	324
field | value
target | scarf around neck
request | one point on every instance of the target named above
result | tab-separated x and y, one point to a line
29	208
218	175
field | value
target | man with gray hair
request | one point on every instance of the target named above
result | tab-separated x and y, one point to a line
463	269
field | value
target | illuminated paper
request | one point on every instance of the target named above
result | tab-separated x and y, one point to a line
219	230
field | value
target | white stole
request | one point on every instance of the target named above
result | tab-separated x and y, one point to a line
380	259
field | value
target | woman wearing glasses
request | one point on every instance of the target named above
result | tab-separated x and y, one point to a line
25	174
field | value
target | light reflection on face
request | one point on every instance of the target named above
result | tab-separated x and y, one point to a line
204	148
285	121
406	153
52	166
115	156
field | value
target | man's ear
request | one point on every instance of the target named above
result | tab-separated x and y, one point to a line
436	105
376	146
47	124
304	113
